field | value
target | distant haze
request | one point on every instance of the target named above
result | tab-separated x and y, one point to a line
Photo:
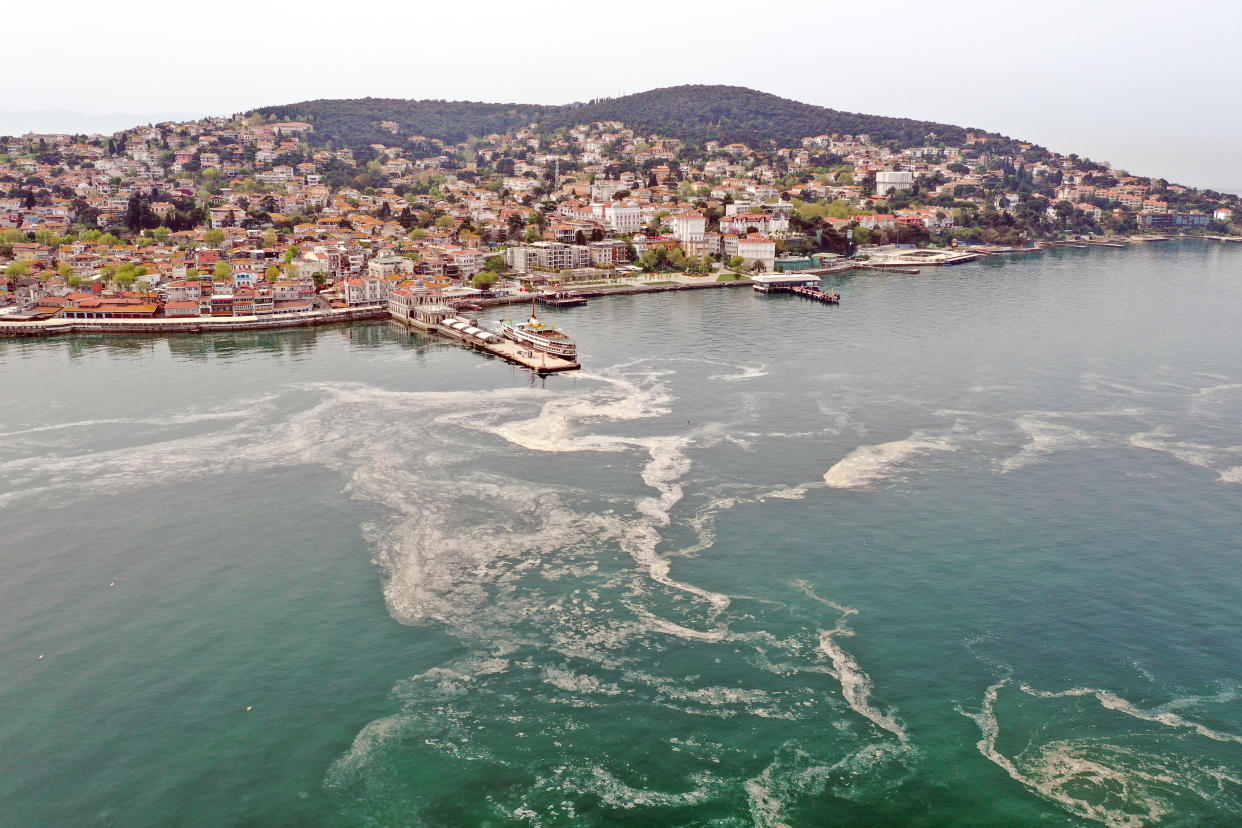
1149	87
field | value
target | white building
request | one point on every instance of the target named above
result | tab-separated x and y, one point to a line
887	181
604	190
689	227
624	218
368	290
759	249
547	256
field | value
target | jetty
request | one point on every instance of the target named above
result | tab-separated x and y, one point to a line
441	320
561	299
815	294
891	268
800	284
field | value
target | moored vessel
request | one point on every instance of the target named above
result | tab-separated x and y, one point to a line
542	336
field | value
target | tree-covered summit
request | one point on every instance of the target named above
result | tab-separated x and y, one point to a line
694	114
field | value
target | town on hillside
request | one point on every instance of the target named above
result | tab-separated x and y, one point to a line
257	217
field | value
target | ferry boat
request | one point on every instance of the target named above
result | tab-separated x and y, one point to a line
541	336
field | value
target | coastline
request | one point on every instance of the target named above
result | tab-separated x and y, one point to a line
335	316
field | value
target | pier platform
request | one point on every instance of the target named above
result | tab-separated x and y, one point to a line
799	284
442	321
816	295
561	300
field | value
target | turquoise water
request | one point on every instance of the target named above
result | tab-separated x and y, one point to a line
962	551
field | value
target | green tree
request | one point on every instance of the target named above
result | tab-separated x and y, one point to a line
272	273
213	237
270	238
161	234
736	263
17	270
484	279
221	271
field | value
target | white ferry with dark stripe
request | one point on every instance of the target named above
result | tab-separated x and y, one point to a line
541	336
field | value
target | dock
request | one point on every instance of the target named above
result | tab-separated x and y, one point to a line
441	320
891	268
563	299
800	284
816	295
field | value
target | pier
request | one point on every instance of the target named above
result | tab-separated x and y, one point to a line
561	299
799	284
816	295
442	321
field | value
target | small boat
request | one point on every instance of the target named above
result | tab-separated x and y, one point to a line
541	336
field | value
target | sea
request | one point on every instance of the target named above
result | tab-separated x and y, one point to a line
964	550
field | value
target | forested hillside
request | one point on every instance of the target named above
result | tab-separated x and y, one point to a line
358	122
735	113
692	113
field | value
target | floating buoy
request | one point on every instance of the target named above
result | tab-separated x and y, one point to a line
40	656
247	708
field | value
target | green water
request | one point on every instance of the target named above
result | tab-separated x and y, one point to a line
962	551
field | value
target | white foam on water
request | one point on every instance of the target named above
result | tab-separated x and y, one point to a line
561	426
1219	390
557	426
710	696
572	682
856	685
868	465
1212	458
343	422
615	793
1045	438
795	774
747	372
765	807
459	546
1112	701
1098	780
373	736
1231	475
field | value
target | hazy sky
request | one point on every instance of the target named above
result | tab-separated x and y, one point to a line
1152	87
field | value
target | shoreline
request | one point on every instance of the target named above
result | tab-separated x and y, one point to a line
201	325
206	324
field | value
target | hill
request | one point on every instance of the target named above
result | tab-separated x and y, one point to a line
691	113
736	114
357	121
